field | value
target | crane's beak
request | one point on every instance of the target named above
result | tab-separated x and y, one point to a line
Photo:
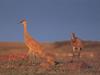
22	21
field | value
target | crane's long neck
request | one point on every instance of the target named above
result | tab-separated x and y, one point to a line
25	31
25	28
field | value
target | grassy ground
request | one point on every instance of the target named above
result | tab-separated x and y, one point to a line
14	61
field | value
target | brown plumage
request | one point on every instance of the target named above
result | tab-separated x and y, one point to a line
76	44
35	48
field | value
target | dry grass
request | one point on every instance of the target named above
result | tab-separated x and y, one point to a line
14	61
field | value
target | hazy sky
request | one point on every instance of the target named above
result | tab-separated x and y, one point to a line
50	20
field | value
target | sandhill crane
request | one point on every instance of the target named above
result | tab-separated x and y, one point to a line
76	44
35	48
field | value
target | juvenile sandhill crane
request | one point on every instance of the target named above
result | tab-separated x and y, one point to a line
35	48
76	44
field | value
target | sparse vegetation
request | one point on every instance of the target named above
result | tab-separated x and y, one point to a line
14	61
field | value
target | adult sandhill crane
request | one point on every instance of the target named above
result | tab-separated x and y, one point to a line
32	44
76	44
35	48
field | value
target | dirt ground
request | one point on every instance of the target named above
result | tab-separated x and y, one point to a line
14	60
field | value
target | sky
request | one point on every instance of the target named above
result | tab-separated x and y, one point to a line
50	20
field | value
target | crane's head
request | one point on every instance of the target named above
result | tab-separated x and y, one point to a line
23	21
73	35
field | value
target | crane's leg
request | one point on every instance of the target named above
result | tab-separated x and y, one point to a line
76	54
79	52
74	51
31	56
